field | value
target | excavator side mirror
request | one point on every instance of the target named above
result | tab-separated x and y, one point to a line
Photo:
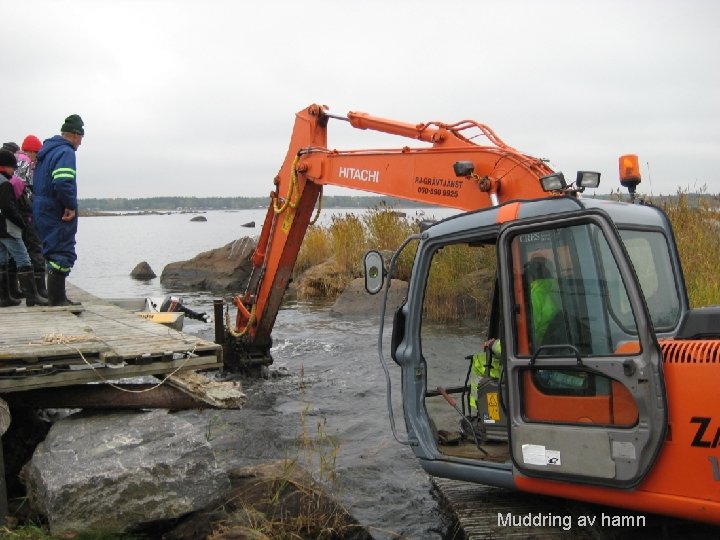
374	270
463	168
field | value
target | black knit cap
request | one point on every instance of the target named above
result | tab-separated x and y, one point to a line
11	146
7	159
73	124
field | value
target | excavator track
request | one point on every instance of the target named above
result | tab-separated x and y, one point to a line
479	510
480	513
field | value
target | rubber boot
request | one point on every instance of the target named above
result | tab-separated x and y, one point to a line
5	299
56	290
27	283
40	283
13	283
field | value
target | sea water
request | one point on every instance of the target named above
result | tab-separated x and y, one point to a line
333	375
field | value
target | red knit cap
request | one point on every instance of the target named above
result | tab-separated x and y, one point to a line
31	144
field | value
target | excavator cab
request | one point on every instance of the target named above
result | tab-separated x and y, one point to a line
580	397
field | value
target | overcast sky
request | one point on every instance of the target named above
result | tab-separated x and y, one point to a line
198	98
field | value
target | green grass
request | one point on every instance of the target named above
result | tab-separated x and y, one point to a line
37	532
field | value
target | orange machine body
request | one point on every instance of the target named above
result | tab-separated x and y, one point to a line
685	478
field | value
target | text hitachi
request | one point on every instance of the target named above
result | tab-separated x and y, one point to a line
364	175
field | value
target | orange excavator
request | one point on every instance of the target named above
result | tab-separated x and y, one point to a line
603	387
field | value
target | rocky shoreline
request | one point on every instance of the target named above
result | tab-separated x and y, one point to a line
140	471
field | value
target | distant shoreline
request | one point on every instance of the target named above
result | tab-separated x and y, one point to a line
174	205
104	213
121	206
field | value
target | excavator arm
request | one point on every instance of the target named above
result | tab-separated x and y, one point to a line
498	173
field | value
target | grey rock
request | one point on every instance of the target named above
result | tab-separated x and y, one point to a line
143	271
111	472
225	269
249	225
199	218
355	301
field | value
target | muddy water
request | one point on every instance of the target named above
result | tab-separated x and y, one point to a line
332	390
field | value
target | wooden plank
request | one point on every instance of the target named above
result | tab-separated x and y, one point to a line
50	345
81	376
27	334
217	394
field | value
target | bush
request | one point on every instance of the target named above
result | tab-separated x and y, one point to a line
697	233
316	248
348	243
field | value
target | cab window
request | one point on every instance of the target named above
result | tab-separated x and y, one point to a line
569	294
650	255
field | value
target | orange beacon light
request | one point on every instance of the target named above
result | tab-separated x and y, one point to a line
629	172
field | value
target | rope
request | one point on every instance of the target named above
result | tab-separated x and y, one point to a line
293	185
60	339
229	327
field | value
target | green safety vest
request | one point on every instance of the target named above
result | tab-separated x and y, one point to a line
479	368
545	302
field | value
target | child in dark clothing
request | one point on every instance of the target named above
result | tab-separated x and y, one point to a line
12	225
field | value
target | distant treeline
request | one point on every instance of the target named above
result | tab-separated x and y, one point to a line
230	203
338	201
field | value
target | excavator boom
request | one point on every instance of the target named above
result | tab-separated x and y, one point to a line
423	174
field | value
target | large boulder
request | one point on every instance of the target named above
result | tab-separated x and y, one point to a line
143	271
225	269
111	472
355	300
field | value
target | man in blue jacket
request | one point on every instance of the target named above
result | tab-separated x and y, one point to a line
55	205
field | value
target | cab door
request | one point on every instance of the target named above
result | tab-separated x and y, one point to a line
583	369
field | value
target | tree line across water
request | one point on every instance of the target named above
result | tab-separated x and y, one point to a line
333	201
230	203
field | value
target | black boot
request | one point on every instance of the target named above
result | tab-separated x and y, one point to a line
56	289
5	298
40	283
27	282
13	290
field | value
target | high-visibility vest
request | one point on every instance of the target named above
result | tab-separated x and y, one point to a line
545	300
479	368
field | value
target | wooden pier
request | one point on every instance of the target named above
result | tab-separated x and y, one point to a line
97	341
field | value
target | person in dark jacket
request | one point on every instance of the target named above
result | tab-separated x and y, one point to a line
55	205
12	225
22	182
